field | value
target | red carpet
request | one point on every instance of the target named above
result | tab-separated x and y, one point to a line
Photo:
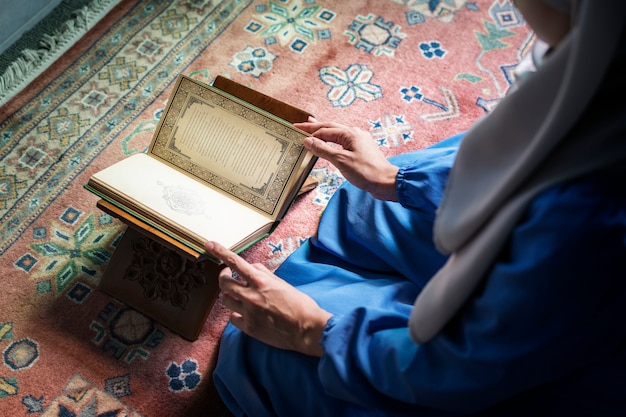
408	74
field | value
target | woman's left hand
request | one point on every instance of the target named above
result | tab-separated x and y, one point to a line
268	308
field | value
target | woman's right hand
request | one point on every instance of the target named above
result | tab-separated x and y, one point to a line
357	156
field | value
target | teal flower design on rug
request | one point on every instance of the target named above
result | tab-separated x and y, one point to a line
67	252
350	84
291	23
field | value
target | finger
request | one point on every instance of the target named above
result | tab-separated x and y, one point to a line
231	296
309	126
228	275
232	303
238	321
320	148
312	126
228	283
232	260
319	142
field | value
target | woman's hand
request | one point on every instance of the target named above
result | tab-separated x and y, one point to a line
266	307
358	157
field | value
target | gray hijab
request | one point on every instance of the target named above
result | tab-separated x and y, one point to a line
557	125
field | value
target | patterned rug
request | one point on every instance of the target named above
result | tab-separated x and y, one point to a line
411	72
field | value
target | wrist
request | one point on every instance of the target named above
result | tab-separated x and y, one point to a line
312	336
385	184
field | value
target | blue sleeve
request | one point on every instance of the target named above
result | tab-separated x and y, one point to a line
422	176
547	308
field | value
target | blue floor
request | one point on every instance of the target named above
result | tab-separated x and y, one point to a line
16	17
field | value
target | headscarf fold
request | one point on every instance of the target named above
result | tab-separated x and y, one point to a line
560	123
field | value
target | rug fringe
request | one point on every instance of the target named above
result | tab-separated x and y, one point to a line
33	62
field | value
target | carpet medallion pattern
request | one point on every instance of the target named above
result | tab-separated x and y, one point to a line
411	72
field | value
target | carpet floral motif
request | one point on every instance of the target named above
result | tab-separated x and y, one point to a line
391	130
346	86
253	61
126	333
294	23
374	35
184	376
62	252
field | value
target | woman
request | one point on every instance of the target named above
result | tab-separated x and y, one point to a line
519	306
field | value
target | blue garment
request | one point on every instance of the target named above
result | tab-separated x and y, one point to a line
545	334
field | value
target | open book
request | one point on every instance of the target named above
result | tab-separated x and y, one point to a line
218	168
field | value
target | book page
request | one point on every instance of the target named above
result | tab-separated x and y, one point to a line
160	193
230	145
212	137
